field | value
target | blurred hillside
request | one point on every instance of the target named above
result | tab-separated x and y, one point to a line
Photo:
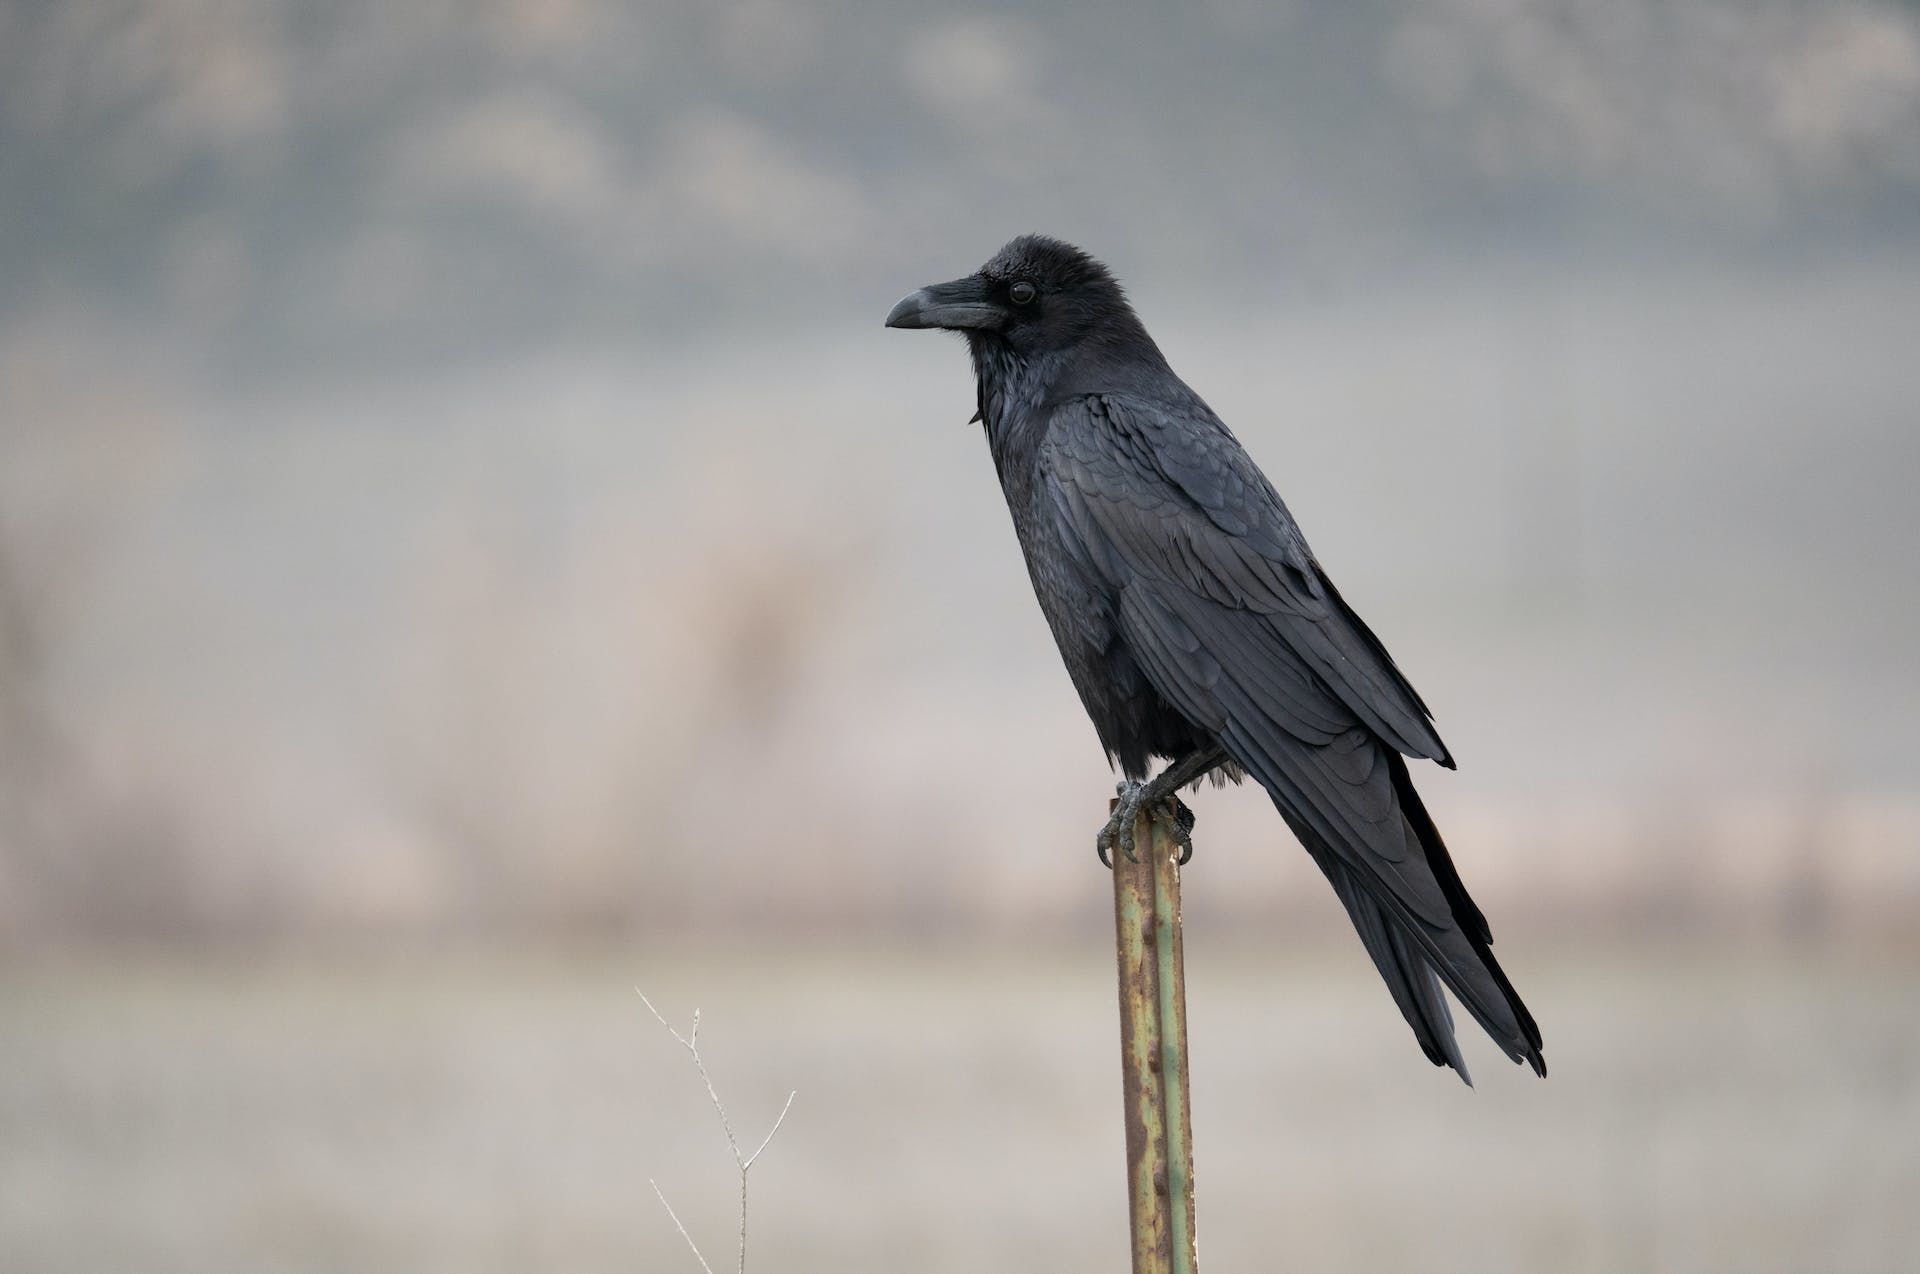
453	478
268	191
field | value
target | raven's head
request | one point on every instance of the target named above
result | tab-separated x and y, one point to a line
1037	295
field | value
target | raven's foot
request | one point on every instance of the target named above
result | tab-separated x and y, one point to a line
1119	828
1169	811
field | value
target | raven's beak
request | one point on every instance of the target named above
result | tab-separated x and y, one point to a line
962	303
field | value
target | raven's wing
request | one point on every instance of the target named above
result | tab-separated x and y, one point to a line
1232	620
1185	504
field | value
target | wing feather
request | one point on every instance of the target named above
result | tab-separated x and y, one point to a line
1230	618
1178	501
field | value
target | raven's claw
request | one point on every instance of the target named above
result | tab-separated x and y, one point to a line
1182	829
1119	828
1169	811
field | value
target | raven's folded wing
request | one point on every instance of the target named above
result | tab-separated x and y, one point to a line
1225	610
1179	501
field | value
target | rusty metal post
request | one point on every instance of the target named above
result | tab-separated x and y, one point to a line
1153	1053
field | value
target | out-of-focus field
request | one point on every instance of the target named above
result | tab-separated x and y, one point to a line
1709	1109
457	495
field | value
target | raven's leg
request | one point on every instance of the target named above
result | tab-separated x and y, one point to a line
1160	797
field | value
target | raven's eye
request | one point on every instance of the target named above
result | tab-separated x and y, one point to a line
1023	293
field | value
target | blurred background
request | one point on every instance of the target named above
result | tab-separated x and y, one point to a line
467	546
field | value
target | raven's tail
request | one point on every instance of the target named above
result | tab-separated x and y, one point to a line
1416	957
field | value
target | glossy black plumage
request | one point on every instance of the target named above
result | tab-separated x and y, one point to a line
1190	612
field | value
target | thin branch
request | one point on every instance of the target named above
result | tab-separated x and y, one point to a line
744	1163
678	1226
776	1128
685	1042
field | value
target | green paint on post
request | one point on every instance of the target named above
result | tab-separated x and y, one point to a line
1170	973
1153	1054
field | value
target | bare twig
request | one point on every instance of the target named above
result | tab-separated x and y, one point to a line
691	1042
678	1226
776	1128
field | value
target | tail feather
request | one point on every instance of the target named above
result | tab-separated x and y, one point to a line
1472	922
1415	988
1415	958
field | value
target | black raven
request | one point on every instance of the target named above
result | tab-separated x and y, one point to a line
1198	627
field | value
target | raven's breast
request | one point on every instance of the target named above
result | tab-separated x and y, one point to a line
1081	605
